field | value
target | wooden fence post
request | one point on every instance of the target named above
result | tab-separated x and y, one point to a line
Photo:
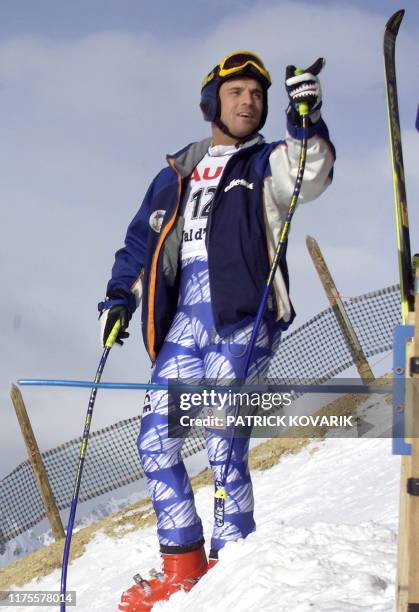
340	313
38	467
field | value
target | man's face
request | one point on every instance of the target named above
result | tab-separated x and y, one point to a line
241	105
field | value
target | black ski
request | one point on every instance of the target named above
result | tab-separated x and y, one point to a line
400	202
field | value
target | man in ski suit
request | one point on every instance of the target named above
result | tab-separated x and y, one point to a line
199	250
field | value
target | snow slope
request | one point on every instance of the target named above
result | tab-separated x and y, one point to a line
325	541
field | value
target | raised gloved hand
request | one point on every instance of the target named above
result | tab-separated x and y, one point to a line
114	309
303	86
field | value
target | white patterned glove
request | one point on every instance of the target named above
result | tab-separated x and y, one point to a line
303	86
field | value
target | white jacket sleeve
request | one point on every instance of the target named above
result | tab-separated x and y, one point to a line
284	165
279	187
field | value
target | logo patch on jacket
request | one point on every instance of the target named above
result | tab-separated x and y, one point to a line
156	220
237	183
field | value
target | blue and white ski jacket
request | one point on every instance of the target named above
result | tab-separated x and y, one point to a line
248	211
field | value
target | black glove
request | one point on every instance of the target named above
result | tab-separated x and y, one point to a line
109	317
118	306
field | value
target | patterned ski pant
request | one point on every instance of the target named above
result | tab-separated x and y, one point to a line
194	351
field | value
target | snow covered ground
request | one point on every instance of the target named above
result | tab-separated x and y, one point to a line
325	541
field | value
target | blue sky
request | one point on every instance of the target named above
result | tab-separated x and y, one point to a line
60	18
94	94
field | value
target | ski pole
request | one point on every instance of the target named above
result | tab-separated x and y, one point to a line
220	489
280	388
45	382
82	454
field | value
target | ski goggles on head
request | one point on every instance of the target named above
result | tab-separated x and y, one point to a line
236	63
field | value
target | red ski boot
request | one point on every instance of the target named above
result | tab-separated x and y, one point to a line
181	571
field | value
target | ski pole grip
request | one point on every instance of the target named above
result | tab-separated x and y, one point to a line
113	335
303	109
